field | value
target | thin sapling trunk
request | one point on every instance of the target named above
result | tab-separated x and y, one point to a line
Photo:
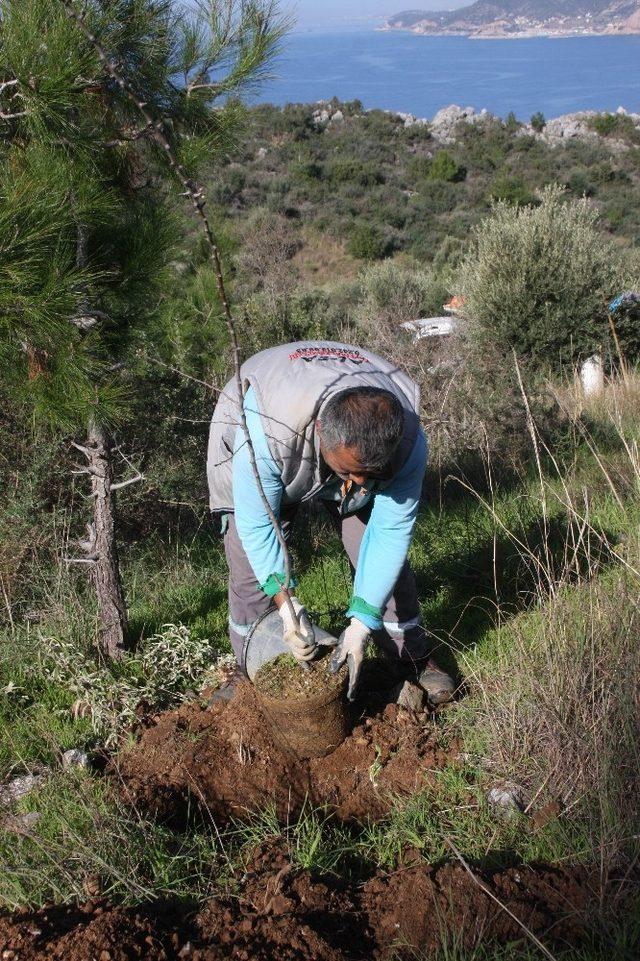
102	546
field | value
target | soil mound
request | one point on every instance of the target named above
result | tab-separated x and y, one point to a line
288	914
225	758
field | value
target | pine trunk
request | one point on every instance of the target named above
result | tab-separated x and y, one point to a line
112	614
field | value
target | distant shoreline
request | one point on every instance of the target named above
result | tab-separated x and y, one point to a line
523	35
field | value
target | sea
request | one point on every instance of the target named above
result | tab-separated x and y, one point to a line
408	73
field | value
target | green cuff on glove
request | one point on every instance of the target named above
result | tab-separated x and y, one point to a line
275	582
367	613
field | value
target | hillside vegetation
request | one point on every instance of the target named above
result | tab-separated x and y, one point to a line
369	178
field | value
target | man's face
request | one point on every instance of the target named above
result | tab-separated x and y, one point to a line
344	462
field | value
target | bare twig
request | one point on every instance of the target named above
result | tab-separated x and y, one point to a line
195	193
4	85
202	86
127	483
12	116
483	887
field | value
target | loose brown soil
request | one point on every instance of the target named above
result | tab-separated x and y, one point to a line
285	678
287	914
225	758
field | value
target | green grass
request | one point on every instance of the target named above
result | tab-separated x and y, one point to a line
84	833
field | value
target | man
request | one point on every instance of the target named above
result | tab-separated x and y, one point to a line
326	421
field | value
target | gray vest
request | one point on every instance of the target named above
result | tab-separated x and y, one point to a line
292	383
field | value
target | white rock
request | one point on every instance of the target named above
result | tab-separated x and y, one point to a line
262	153
337	117
74	757
570	126
506	797
444	123
409	120
19	788
320	117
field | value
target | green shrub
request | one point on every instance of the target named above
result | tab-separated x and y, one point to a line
511	122
579	184
392	294
617	125
538	122
444	167
512	190
367	242
604	124
436	197
307	170
353	171
537	280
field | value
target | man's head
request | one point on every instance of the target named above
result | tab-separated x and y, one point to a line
360	430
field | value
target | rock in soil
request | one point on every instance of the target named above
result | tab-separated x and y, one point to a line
75	757
19	788
507	798
291	915
20	823
409	695
224	758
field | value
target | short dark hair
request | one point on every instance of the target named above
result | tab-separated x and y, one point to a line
369	419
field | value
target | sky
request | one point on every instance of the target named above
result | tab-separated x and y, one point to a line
311	13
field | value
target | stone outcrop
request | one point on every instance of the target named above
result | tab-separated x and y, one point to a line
444	123
572	126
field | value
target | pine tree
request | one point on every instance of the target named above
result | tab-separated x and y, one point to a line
87	223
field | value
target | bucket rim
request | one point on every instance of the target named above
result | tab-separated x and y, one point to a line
256	624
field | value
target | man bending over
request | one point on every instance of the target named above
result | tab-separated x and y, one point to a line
340	424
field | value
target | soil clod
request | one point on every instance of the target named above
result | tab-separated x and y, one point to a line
226	759
294	916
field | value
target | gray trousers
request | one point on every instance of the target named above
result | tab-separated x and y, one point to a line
402	636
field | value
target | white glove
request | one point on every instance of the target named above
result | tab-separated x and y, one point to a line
300	640
351	649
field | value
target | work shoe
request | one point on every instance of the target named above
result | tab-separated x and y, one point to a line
438	685
226	691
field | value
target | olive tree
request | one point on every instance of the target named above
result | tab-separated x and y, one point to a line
537	280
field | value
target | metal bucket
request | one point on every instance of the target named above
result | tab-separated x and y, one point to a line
309	727
264	642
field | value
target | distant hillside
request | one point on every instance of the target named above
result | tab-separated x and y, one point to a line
503	18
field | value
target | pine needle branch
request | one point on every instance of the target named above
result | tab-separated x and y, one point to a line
195	193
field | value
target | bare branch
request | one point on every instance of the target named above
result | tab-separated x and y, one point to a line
127	483
81	560
12	116
89	319
84	470
202	86
83	450
4	85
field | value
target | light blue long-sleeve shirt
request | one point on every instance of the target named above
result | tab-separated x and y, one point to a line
386	539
